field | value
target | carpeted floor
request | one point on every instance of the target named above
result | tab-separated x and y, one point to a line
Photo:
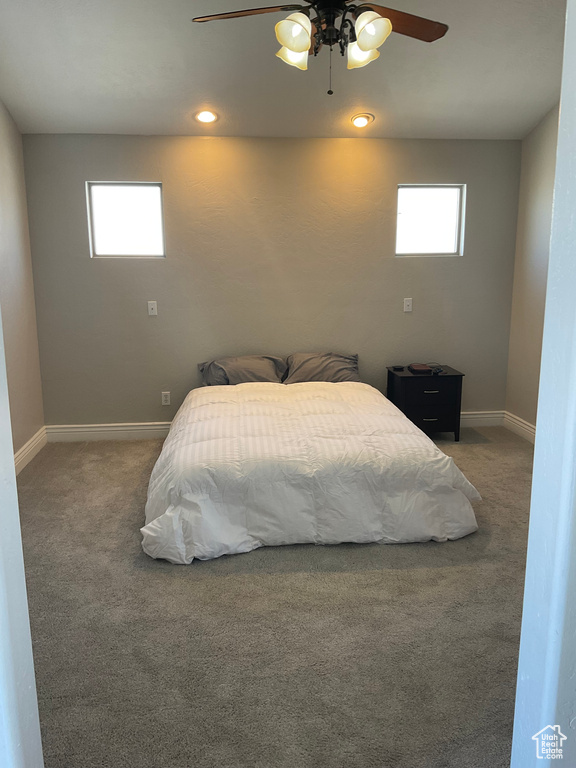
355	656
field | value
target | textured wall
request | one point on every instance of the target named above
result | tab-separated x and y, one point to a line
17	290
274	245
531	267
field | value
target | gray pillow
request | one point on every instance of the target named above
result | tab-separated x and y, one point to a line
239	370
321	366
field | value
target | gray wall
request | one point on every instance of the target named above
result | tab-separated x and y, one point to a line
17	290
274	245
531	267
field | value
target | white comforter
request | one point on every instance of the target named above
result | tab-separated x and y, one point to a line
265	464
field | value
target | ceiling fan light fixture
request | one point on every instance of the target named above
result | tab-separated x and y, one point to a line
293	58
372	30
206	116
294	32
359	29
358	58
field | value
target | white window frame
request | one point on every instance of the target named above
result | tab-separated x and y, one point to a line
461	215
90	185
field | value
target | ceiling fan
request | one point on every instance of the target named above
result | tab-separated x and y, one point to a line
357	29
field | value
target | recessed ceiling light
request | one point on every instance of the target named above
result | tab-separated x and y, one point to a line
206	117
361	121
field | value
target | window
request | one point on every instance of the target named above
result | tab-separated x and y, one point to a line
125	219
430	220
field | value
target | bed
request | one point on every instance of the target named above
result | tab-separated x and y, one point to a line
265	464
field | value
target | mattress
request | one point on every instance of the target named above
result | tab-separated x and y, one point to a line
264	464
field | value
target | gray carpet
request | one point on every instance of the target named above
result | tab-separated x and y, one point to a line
355	656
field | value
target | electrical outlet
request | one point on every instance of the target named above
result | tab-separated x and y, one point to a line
152	308
165	398
407	305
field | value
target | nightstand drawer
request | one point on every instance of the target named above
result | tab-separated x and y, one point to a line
431	390
430	419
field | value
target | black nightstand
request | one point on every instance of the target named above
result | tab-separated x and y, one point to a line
431	402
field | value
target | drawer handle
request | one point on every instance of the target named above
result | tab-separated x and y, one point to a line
431	391
429	419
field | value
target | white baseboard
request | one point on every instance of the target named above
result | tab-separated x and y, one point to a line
30	449
499	419
482	419
61	433
55	433
519	426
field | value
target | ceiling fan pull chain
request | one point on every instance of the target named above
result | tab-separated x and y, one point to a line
330	91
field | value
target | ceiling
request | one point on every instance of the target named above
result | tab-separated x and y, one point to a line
142	67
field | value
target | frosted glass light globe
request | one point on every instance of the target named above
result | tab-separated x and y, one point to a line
294	32
358	58
371	30
293	58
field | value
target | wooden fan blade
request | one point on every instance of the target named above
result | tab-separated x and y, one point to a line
248	12
411	26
